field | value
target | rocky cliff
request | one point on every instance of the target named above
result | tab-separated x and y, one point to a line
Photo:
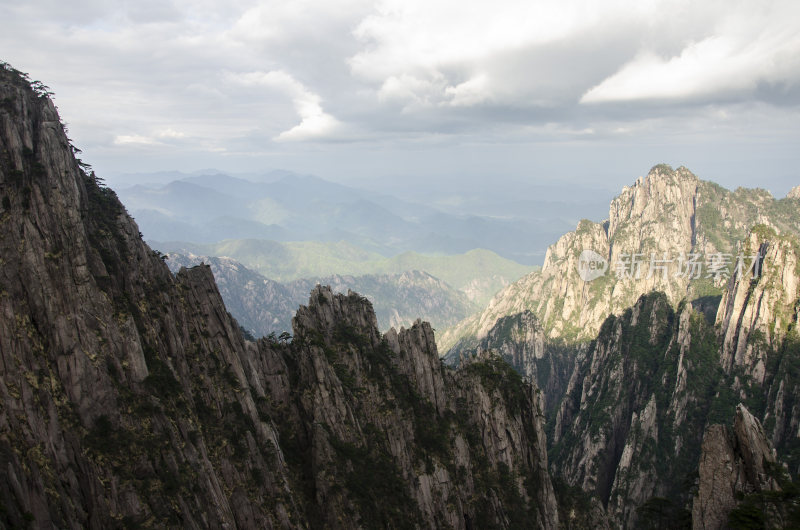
669	218
520	341
128	396
655	360
628	428
734	462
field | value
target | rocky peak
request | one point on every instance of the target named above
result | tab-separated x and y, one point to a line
732	464
794	193
644	201
668	216
327	314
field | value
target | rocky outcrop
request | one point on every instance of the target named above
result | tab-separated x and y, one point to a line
668	217
794	193
758	305
733	464
757	322
651	377
629	427
128	396
627	430
259	304
520	341
406	436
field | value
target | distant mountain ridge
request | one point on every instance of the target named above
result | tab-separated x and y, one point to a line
479	273
263	306
213	207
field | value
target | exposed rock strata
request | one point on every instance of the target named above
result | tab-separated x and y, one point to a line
732	465
128	396
670	214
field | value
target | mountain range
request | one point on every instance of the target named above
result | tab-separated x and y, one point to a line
285	207
478	274
586	395
265	307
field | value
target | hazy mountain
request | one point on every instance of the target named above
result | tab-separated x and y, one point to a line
306	208
479	274
263	306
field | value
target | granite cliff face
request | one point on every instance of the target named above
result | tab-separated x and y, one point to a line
734	462
668	215
760	345
128	396
653	361
630	424
628	428
520	341
755	311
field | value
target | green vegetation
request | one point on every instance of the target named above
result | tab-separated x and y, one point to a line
769	509
373	480
659	513
663	168
496	375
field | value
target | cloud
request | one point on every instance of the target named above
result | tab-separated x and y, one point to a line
733	62
170	133
452	53
160	137
134	139
315	122
264	78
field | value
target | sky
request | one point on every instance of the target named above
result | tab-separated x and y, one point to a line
463	94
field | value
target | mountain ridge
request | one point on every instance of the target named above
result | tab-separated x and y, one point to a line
478	273
129	396
668	213
263	306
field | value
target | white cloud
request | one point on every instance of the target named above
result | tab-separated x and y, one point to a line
170	133
315	122
159	137
134	139
278	20
469	93
452	53
749	47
